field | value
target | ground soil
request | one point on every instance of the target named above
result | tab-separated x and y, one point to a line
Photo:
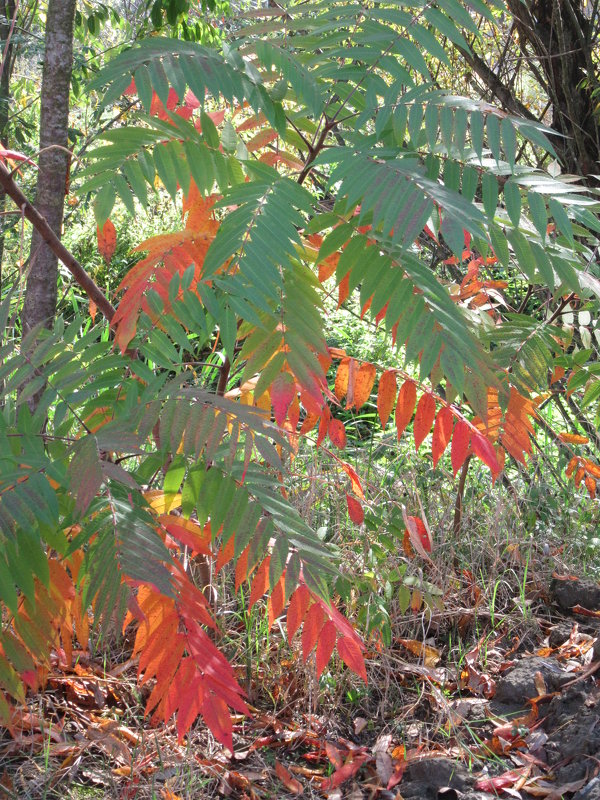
517	715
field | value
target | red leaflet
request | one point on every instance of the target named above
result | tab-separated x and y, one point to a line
14	155
107	240
283	391
365	378
297	609
216	716
261	139
484	450
500	782
313	623
355	510
291	784
323	424
423	418
335	755
351	655
418	533
461	440
442	433
386	395
354	479
407	397
337	433
344	773
325	645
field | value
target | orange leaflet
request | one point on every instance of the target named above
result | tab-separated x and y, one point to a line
343	289
573	438
323	424
355	510
188	533
386	395
407	397
241	567
592	468
461	440
337	433
313	623
351	383
293	413
310	420
442	433
590	485
341	378
484	450
276	601
282	391
423	418
260	584
365	378
297	609
107	240
325	646
225	554
281	157
571	466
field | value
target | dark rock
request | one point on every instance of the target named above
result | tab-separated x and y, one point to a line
569	593
438	773
518	685
477	796
418	791
571	772
559	634
590	791
573	726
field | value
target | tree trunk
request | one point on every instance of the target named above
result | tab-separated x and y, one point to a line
41	290
7	11
561	38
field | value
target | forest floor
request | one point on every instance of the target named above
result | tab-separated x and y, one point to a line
464	704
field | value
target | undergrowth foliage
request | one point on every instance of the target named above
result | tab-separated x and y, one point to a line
312	156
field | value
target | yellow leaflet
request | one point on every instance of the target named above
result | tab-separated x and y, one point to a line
162	503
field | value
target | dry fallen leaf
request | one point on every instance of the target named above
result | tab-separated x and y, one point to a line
430	655
360	724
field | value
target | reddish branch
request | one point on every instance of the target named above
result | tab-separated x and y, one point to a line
68	259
